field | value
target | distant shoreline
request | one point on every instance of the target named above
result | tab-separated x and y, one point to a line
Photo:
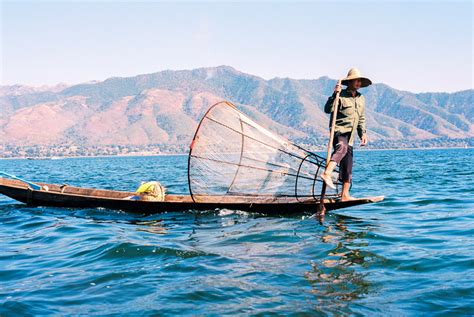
358	148
52	158
419	148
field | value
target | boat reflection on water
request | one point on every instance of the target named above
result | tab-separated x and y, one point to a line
150	226
340	276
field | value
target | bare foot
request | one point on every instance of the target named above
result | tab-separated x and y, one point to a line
327	179
347	198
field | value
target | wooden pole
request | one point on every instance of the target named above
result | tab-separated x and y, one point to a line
321	208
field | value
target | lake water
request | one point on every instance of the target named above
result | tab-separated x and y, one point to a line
409	255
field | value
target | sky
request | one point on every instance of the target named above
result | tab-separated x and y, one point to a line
415	46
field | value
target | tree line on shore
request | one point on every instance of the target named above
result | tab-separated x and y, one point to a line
72	150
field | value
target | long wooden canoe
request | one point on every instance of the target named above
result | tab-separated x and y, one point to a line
78	197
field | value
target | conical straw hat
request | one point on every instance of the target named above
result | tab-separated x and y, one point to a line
354	73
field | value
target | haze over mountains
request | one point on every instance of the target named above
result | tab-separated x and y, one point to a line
164	108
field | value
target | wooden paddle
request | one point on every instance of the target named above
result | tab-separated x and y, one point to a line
31	184
321	208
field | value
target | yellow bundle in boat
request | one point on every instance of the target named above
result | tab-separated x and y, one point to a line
151	191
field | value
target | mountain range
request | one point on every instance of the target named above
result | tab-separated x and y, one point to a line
165	107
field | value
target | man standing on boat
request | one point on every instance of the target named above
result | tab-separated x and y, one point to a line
350	118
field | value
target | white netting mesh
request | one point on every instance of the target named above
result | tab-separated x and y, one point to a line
231	155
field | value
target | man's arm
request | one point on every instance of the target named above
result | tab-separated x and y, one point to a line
328	107
361	128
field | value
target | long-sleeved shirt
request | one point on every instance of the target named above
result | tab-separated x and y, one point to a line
350	114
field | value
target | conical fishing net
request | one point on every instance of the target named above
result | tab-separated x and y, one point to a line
231	155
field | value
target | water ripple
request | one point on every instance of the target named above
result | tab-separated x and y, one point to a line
411	254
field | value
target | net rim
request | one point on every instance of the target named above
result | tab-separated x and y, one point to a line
194	139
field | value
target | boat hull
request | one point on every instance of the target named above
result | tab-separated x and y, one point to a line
77	197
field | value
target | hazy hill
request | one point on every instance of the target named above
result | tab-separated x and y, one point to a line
164	107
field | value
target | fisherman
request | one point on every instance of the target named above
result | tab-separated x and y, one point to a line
350	118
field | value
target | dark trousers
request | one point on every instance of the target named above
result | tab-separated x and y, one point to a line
343	155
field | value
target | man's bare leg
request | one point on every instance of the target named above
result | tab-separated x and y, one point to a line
326	175
345	192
